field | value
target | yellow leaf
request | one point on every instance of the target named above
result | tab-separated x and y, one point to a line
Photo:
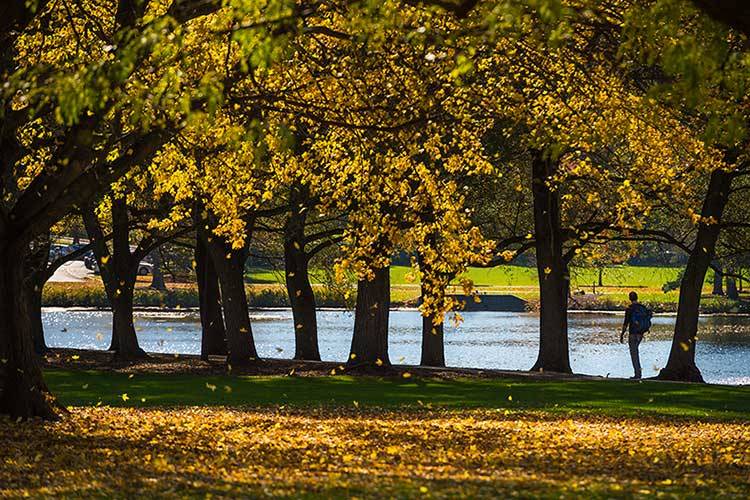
125	397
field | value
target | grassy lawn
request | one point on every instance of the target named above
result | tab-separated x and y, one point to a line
601	397
519	276
344	437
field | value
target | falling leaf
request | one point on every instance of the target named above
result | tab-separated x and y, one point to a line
379	362
211	387
125	397
406	375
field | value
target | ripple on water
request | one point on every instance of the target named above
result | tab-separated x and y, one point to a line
483	340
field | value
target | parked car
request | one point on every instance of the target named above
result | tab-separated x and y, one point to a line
90	262
144	268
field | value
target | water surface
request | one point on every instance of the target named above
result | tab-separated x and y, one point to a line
484	339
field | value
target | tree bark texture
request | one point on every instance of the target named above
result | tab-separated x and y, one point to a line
370	340
23	393
681	363
213	336
157	276
301	295
230	266
433	342
119	271
718	287
552	269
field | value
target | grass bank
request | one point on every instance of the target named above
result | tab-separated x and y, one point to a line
266	289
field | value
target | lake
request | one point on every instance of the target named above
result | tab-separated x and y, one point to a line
483	340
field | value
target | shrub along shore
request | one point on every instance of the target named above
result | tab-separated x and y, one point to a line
93	295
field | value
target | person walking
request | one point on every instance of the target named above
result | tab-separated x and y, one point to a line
637	323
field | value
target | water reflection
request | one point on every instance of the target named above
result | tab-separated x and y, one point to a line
483	340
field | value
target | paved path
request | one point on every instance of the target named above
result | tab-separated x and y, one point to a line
72	272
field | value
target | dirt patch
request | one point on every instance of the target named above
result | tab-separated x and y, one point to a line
83	359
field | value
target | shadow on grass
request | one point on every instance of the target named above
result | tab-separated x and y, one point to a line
606	397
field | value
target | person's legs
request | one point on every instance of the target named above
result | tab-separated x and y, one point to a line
633	342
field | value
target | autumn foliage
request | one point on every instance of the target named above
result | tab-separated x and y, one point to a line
345	452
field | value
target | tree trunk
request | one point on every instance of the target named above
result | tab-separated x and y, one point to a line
23	393
718	285
433	343
230	267
35	316
301	295
681	363
601	276
119	272
157	276
213	336
124	338
370	340
732	292
552	269
36	276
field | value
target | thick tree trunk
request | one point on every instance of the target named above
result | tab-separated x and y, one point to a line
601	277
433	343
213	336
157	277
732	292
552	269
301	295
681	363
718	282
370	340
23	393
230	267
124	338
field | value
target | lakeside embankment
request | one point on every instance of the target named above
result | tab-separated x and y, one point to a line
92	294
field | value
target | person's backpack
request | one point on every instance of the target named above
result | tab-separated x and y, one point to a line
641	318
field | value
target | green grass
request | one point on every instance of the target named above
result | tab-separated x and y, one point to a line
605	397
511	276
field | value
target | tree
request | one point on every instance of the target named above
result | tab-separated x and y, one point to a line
213	334
119	266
